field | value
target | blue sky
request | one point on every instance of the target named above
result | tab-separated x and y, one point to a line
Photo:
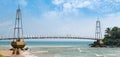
59	17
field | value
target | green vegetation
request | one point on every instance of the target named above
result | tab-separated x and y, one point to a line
112	37
1	55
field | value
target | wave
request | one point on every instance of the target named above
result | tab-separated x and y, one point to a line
28	54
98	55
40	52
107	55
112	55
57	55
79	49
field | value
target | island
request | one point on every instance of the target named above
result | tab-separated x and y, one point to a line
111	38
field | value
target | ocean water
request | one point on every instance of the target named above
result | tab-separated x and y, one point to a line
64	49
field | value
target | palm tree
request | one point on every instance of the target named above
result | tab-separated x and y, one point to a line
108	33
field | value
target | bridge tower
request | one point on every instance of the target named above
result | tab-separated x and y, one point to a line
17	44
18	29
98	34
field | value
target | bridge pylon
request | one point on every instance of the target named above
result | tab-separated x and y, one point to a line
98	34
18	34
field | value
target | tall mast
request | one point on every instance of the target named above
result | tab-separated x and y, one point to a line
18	33
18	29
98	34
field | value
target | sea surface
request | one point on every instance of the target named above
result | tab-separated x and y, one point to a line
64	49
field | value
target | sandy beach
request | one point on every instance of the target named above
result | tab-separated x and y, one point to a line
8	53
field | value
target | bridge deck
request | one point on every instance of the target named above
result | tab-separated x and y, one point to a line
50	38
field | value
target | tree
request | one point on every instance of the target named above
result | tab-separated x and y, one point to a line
112	36
108	33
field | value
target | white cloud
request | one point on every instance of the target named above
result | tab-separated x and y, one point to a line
57	2
23	2
100	6
81	4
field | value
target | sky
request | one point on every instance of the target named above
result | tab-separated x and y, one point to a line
59	17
